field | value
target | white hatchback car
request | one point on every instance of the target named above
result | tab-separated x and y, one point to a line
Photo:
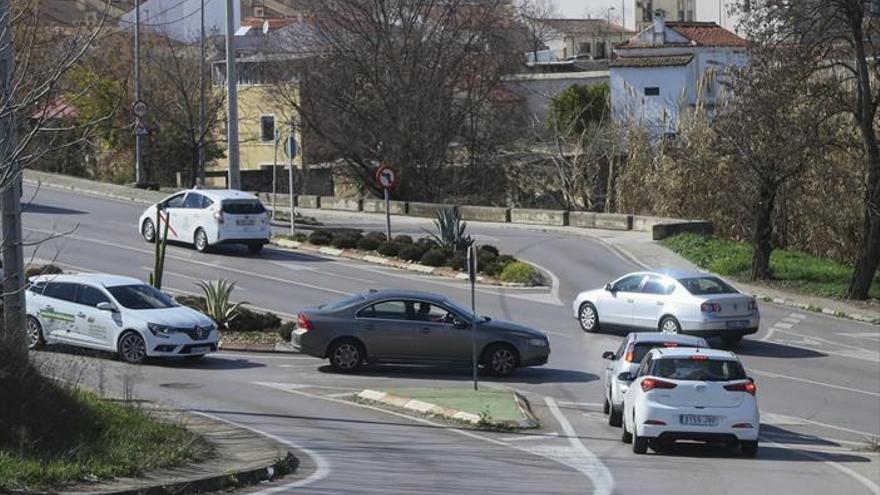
691	394
670	301
116	314
627	359
206	217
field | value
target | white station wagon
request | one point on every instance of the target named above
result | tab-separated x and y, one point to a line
116	314
206	217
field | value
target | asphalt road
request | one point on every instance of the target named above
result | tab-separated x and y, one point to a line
818	377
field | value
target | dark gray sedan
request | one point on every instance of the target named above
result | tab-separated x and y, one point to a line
388	326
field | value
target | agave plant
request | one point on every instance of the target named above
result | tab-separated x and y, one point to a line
217	303
450	230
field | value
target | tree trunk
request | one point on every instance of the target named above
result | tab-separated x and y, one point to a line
762	233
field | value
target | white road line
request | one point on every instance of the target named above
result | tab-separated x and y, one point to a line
554	281
870	485
771	374
769	334
783	419
295	267
526	436
322	467
799	316
861	335
790	319
261	355
780	324
187	277
603	483
824	341
579	404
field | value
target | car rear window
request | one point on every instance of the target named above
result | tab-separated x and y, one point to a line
243	207
693	368
641	349
348	301
703	286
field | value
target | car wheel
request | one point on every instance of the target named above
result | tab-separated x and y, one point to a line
254	248
640	444
201	240
501	360
731	339
148	230
749	448
606	407
669	325
625	436
34	333
346	356
132	348
615	417
588	317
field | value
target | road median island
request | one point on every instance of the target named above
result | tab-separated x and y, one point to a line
485	409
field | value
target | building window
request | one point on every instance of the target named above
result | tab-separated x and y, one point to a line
652	91
600	49
267	128
584	49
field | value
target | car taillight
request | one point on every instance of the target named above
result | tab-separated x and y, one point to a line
630	355
748	387
652	383
218	215
710	307
753	305
303	322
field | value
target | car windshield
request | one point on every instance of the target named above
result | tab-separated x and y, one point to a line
703	286
705	370
141	297
343	302
243	207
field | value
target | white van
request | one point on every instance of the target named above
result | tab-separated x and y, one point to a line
206	217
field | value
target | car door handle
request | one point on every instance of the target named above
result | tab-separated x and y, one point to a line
81	315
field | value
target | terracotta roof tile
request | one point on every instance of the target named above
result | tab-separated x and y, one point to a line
706	33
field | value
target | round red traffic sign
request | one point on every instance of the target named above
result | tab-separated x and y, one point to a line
386	177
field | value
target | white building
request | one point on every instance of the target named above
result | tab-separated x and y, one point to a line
669	68
180	19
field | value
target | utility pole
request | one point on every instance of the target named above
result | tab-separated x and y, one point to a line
290	147
14	345
138	138
232	99
201	172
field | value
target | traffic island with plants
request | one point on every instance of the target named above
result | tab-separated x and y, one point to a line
794	271
54	435
440	252
502	410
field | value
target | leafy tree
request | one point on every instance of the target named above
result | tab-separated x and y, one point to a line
573	110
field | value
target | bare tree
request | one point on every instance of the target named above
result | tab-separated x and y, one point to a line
532	14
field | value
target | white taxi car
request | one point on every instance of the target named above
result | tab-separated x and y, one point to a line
116	314
691	394
206	217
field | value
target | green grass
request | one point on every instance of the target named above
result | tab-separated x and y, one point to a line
54	436
496	405
792	270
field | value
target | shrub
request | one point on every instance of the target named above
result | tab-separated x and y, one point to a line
35	271
286	330
411	252
434	257
346	241
450	230
427	242
320	238
403	239
379	237
300	237
368	243
485	258
519	272
490	248
217	304
504	260
254	321
458	262
389	248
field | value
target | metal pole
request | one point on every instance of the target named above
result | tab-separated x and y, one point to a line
290	153
138	139
232	99
202	102
387	215
275	173
14	303
472	266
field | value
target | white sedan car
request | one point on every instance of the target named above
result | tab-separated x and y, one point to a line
116	314
206	217
670	301
690	394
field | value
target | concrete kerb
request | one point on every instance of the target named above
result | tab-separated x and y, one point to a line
529	420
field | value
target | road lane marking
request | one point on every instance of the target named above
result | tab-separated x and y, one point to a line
603	483
294	267
579	404
554	284
799	316
187	277
771	374
870	485
790	319
322	467
526	436
781	419
780	324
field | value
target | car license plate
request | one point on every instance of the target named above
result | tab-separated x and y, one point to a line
244	222
200	350
698	420
738	324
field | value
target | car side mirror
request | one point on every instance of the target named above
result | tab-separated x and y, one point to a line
105	306
609	287
626	376
460	324
609	355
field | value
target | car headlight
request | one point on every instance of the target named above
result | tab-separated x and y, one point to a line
161	330
538	342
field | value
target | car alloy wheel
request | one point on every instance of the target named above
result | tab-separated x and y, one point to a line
34	333
502	361
201	241
670	325
749	448
625	435
346	356
588	318
132	348
639	444
149	231
615	416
